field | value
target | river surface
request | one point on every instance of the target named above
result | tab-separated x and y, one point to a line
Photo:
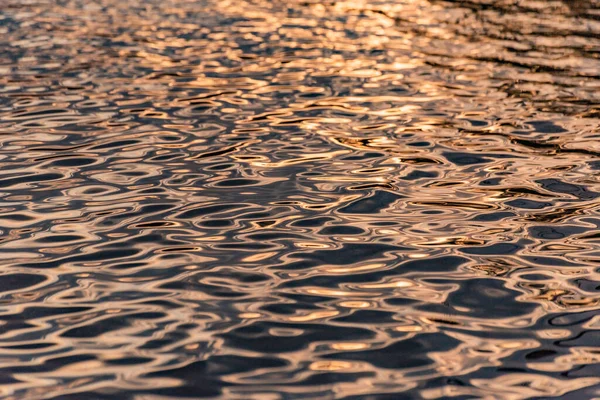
253	199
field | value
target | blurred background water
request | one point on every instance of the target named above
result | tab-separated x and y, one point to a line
268	199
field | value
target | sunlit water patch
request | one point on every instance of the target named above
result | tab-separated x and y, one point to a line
299	199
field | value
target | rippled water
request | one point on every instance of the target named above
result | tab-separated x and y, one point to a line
268	199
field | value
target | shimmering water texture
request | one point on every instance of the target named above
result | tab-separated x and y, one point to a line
268	199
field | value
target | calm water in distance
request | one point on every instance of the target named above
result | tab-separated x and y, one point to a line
299	199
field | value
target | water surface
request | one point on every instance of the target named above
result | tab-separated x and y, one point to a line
268	199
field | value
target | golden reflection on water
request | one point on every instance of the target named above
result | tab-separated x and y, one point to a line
276	200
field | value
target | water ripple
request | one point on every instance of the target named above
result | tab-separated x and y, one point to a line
283	200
